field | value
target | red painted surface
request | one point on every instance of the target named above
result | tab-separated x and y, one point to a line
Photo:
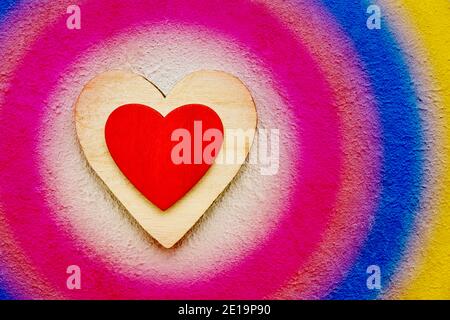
140	141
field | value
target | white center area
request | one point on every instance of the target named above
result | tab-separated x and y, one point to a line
242	216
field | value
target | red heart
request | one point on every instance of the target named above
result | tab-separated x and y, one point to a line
140	141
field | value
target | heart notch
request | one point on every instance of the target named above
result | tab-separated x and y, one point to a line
158	154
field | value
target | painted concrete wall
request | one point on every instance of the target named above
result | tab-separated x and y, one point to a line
361	193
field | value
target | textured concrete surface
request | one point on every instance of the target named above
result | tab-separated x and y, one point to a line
364	155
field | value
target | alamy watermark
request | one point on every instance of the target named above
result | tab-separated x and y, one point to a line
374	280
374	20
73	22
73	281
228	148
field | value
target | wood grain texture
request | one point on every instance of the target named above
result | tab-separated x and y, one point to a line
223	93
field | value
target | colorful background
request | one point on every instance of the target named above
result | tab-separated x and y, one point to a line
364	178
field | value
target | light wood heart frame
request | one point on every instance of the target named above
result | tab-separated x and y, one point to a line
222	92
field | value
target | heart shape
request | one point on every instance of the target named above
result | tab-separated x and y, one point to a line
141	142
226	95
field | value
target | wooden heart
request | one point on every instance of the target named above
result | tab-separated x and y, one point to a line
226	95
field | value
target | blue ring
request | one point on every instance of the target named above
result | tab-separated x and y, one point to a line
402	142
